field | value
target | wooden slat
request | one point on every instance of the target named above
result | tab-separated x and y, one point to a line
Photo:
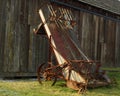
96	31
2	32
110	43
117	47
101	41
31	52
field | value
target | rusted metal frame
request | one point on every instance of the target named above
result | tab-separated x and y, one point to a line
87	71
62	66
59	53
67	43
66	16
50	73
83	55
86	65
75	44
79	67
71	18
44	22
80	63
60	58
73	69
53	13
55	74
55	66
69	15
52	10
69	73
50	51
39	72
84	69
80	88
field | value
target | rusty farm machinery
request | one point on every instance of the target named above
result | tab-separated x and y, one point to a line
71	64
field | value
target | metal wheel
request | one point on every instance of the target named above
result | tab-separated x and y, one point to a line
41	72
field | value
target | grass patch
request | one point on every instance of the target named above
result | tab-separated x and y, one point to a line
112	69
33	88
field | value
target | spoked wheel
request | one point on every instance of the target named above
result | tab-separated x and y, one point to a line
41	71
47	71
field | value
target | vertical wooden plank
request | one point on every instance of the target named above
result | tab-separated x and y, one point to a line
84	32
2	31
31	52
16	35
101	51
110	44
32	19
31	23
24	36
100	39
96	26
16	48
45	50
24	48
8	40
92	36
117	50
80	27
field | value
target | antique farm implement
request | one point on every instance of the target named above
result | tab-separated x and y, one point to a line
70	63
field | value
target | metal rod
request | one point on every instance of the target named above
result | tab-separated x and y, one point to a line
50	10
68	11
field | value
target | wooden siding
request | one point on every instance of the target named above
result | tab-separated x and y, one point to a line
117	45
98	39
2	32
21	51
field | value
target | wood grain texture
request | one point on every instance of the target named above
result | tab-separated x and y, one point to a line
23	51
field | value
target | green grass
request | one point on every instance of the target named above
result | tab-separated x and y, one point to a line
33	88
112	69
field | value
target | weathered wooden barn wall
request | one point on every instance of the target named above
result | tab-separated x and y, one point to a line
99	38
21	51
